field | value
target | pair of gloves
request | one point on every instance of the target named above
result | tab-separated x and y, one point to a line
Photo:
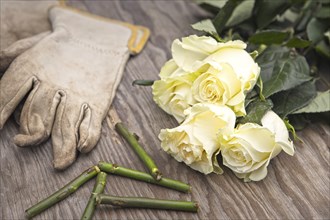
69	76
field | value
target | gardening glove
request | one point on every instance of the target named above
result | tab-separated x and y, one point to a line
70	77
32	20
19	20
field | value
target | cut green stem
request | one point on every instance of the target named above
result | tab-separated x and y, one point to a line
62	193
98	188
143	82
146	159
145	177
142	202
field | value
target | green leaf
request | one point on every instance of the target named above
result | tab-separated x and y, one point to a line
297	42
321	103
224	14
287	73
211	5
280	71
268	10
324	12
241	13
256	110
323	48
207	27
304	20
269	37
290	15
287	102
316	29
267	59
218	4
327	35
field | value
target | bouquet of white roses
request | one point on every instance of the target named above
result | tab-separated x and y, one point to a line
204	87
231	105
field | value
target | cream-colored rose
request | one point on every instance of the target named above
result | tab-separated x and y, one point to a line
203	70
250	148
218	83
194	49
195	141
173	94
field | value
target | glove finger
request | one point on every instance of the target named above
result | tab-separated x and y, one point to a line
89	131
37	116
10	53
14	85
65	132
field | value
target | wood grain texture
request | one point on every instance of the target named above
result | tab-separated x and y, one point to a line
295	188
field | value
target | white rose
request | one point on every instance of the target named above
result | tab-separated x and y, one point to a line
249	149
195	141
203	70
193	50
218	83
173	94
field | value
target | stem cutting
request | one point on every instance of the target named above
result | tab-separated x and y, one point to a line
145	177
98	188
132	141
143	202
62	193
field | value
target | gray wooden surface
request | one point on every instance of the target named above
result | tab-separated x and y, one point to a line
295	188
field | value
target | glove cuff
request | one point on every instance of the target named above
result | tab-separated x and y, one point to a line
103	32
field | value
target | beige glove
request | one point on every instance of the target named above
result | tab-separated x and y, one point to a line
71	76
21	20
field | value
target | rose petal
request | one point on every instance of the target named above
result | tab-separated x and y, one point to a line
264	142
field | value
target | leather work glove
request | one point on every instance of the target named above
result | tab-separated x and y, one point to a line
32	20
70	76
23	30
23	18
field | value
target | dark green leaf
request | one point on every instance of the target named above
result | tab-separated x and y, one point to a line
297	42
268	10
327	36
269	37
299	121
316	29
321	103
250	97
218	4
305	17
256	110
268	57
224	14
287	73
287	102
324	12
323	48
207	27
241	13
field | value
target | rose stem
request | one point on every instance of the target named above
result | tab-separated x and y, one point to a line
142	82
62	193
132	141
142	202
98	188
141	176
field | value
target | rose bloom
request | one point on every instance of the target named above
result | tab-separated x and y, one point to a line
203	70
173	94
249	149
195	141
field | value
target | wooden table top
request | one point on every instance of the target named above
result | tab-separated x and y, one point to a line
296	187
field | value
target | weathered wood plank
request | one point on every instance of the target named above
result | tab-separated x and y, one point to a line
296	187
